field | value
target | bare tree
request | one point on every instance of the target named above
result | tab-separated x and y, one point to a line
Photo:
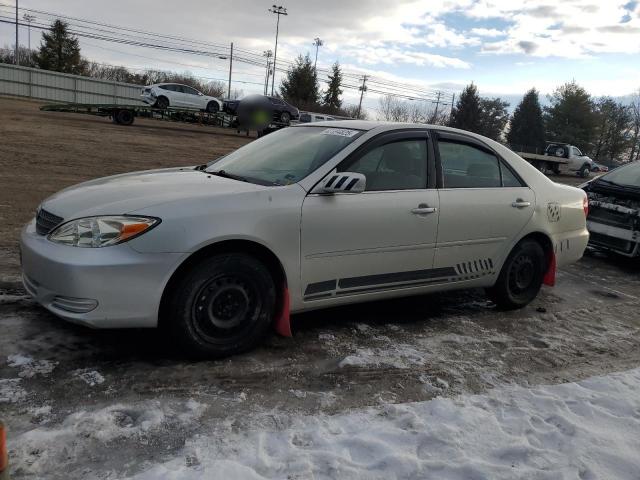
634	110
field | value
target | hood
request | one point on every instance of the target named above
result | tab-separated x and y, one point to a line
129	192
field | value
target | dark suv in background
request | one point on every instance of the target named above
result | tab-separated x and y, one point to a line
281	111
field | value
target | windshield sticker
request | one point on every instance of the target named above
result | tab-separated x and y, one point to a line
341	132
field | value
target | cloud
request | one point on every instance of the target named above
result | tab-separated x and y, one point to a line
527	46
487	32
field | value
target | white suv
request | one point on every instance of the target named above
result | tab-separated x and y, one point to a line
163	95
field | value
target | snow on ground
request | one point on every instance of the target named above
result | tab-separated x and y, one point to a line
585	430
29	367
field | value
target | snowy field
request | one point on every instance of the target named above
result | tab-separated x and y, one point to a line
585	430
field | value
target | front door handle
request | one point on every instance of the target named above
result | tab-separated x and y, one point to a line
423	209
520	203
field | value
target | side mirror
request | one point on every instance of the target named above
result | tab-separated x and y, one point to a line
343	182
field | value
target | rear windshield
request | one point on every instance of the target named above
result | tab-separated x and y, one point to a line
285	156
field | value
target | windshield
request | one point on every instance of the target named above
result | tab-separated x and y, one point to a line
285	156
627	176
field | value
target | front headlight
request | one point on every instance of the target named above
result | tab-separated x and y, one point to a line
96	232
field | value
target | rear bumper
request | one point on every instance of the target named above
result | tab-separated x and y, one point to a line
111	287
569	247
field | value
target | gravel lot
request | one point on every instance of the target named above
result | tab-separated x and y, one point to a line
104	404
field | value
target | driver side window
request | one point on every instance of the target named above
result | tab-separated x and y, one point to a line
399	165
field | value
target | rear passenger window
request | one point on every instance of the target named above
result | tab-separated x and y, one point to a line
509	179
466	166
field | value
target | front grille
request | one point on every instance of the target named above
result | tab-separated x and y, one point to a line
611	217
46	221
606	241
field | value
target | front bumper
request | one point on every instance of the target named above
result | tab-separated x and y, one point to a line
149	99
624	241
110	287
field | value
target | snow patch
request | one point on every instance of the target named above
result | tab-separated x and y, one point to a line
29	367
11	391
586	430
41	449
393	355
88	376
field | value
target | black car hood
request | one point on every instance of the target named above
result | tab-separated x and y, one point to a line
619	192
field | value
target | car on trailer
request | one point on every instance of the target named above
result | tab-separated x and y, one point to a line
312	216
165	95
280	111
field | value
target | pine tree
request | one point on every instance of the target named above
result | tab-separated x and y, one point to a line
467	113
571	117
493	117
332	95
60	51
300	87
526	132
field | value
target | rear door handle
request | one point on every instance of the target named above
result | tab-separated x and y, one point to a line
423	209
520	203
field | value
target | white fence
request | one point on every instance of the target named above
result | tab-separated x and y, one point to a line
62	87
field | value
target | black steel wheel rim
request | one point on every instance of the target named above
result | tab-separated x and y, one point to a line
225	307
522	273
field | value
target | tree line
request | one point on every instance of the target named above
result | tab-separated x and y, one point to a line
605	129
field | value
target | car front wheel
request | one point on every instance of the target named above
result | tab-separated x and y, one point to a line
222	306
162	103
521	276
213	107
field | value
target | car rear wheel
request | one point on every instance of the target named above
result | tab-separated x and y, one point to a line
222	306
285	117
213	107
162	103
521	276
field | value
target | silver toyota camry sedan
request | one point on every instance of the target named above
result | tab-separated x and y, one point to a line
308	217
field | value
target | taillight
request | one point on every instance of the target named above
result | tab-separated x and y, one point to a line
585	206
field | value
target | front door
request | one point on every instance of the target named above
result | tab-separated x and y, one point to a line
380	239
483	206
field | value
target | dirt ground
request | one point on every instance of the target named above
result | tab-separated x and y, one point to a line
43	152
81	403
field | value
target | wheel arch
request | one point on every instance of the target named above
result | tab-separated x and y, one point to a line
250	247
547	246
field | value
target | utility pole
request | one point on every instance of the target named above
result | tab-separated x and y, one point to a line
362	89
435	111
317	43
230	68
280	10
17	44
453	102
29	18
268	54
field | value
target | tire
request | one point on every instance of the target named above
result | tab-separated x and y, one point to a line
285	117
213	107
556	170
124	117
162	103
521	276
222	306
585	171
559	152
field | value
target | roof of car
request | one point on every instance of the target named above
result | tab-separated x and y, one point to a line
370	125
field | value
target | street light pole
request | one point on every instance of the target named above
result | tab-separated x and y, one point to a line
268	54
230	68
317	43
278	10
29	18
17	44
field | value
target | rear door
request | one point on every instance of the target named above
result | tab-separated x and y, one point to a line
484	205
193	98
380	239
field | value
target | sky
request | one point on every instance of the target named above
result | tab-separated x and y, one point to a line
503	46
